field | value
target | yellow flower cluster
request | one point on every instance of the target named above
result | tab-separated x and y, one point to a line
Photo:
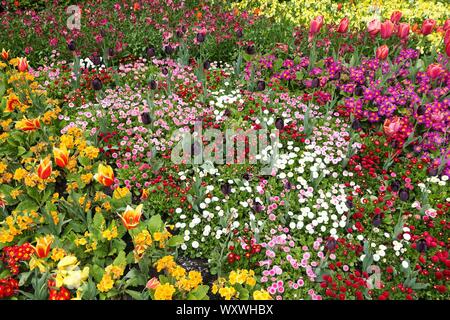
68	273
164	292
161	237
242	276
359	11
110	233
229	288
261	295
141	241
18	222
112	273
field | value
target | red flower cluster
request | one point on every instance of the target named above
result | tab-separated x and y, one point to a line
55	294
14	254
8	287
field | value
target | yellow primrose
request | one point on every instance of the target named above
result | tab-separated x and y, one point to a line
120	193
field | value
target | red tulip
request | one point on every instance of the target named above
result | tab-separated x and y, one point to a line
343	25
382	52
447	37
434	70
428	26
396	16
447	49
315	26
403	30
374	27
446	25
387	28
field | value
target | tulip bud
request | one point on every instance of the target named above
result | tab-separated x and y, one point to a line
395	185
164	71
45	169
206	65
61	156
168	49
200	37
239	33
349	204
331	244
250	49
261	85
376	222
22	64
279	123
382	52
5	54
314	83
151	52
359	91
97	84
343	25
386	30
246	176
421	110
71	45
153	85
428	26
403	195
145	117
396	16
403	30
257	207
356	124
225	188
152	284
421	246
315	25
433	171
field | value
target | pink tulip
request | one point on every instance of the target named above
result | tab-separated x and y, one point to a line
343	25
374	27
446	25
447	49
386	30
428	26
392	125
403	30
153	283
315	26
382	52
396	16
434	70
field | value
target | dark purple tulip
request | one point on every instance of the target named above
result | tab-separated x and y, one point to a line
206	65
225	188
376	220
153	85
151	52
395	185
200	37
349	204
168	49
356	124
433	171
279	124
261	85
331	244
336	76
179	33
314	83
227	113
421	110
359	91
421	246
96	60
164	71
111	52
183	29
403	195
287	185
257	207
71	45
239	33
247	176
97	84
146	119
250	49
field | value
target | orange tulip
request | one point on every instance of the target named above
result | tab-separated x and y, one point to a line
28	124
131	217
22	64
105	175
5	54
12	103
45	169
42	248
144	194
61	156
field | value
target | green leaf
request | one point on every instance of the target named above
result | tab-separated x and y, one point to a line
135	294
155	223
175	241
